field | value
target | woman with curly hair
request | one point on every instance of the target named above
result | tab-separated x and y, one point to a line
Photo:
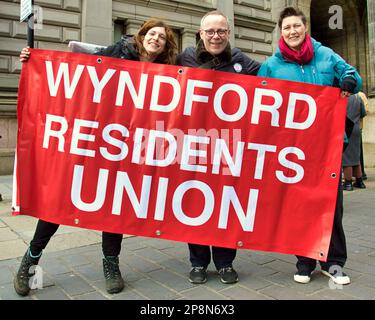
154	42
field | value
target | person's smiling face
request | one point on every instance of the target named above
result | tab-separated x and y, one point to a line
215	34
155	41
293	30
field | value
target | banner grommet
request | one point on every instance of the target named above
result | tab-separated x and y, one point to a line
158	232
240	243
99	60
180	71
333	175
76	221
264	83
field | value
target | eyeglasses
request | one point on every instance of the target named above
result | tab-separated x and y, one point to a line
221	32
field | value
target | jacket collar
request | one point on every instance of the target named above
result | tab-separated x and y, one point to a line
128	48
316	46
203	56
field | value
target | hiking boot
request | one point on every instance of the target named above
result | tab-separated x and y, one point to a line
336	274
228	275
302	276
198	275
113	279
21	280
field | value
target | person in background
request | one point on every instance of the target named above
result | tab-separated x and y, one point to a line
365	102
301	58
154	42
214	52
351	160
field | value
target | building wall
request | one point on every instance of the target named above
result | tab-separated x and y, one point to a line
62	20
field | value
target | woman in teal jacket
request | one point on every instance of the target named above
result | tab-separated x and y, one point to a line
301	58
326	68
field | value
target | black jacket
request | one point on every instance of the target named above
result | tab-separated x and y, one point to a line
123	49
231	60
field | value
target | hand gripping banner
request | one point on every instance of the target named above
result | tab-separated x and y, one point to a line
178	153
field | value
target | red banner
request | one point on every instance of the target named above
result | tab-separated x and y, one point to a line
178	153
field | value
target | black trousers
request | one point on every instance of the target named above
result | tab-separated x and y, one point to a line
361	158
200	256
337	254
111	242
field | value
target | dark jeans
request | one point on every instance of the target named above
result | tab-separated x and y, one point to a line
111	242
337	248
200	256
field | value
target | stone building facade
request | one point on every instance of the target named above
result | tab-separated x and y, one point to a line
103	21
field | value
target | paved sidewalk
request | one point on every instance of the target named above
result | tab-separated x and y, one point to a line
157	269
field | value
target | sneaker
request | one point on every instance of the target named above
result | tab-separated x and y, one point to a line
337	275
302	276
198	275
113	279
21	280
228	275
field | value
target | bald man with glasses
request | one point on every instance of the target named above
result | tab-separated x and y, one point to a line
214	52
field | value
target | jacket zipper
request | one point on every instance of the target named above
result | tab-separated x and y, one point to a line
314	75
303	73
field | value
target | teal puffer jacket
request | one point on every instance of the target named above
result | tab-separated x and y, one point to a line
327	68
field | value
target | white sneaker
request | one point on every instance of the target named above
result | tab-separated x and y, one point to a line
302	277
337	277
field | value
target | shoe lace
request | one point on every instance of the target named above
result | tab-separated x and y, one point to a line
225	270
111	270
24	271
197	269
25	268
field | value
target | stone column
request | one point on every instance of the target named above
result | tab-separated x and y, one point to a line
188	38
227	8
277	6
97	24
371	37
132	26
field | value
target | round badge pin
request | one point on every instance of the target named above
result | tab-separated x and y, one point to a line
237	67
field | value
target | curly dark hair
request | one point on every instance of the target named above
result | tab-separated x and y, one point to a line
168	56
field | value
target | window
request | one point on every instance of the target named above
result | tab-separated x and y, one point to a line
118	30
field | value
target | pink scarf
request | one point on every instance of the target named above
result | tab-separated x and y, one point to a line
303	56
